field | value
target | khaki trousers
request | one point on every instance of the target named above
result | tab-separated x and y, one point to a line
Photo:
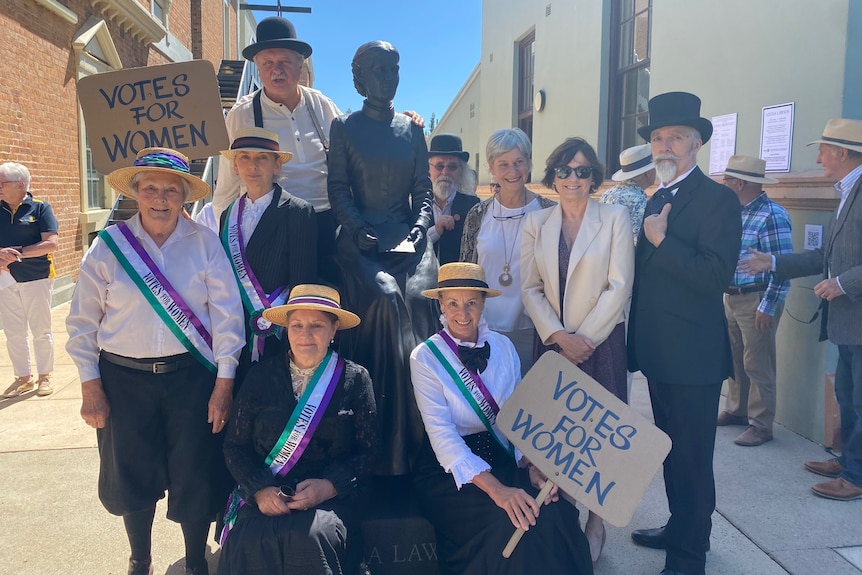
751	392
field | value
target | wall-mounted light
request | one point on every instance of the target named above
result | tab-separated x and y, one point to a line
539	101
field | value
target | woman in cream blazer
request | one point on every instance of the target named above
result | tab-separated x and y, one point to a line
577	267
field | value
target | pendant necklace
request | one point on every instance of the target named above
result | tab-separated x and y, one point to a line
505	278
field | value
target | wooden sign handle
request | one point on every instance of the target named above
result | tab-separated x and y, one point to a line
516	536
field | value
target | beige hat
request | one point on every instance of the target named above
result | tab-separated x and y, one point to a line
256	140
634	162
748	169
162	160
460	275
843	133
315	297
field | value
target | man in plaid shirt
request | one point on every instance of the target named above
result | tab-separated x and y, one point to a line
753	305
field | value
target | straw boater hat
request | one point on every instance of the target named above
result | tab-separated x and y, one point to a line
276	32
748	169
843	133
162	160
447	145
256	140
316	297
634	162
460	276
676	109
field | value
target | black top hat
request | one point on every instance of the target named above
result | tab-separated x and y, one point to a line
447	145
676	109
276	32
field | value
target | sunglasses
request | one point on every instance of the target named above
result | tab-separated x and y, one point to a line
582	172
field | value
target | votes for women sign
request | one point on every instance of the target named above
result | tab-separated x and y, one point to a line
169	106
592	445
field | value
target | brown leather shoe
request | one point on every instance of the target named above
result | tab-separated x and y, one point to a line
831	468
725	418
839	489
753	436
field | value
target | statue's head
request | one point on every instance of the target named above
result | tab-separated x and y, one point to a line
375	71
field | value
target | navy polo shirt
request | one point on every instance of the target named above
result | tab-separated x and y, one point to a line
23	226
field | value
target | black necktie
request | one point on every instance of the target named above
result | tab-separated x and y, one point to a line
475	358
658	201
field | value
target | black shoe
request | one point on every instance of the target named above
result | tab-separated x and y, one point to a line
653	538
204	570
143	567
670	572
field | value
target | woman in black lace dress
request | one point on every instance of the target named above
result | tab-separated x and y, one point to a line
299	444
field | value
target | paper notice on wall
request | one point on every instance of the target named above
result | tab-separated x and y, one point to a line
776	137
722	145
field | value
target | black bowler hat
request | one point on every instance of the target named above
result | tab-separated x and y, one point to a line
676	109
276	32
447	145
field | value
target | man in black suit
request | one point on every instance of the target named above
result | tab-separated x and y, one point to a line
454	185
685	259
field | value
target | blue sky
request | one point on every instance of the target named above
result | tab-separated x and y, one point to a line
439	42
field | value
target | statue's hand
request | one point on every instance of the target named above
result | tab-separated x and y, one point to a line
416	235
366	238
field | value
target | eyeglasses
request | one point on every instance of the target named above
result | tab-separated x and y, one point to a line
504	218
452	166
582	172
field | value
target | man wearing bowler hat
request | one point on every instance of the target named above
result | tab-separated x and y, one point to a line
753	305
840	262
685	258
454	186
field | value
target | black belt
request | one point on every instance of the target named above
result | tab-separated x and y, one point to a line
155	365
733	290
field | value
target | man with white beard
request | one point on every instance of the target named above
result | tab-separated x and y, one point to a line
454	185
685	259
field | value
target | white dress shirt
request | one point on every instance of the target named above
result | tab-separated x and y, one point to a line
446	210
251	214
109	312
445	412
305	174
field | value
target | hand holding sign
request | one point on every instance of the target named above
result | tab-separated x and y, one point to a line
583	438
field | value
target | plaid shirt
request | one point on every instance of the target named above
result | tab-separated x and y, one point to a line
766	228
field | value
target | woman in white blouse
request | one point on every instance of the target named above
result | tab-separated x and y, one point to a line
155	329
473	486
492	236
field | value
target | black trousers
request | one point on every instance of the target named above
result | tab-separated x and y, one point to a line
157	439
687	413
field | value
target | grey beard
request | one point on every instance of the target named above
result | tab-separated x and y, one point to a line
665	170
443	190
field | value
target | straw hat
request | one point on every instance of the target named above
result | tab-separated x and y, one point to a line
256	140
461	276
634	162
843	133
316	297
162	160
748	169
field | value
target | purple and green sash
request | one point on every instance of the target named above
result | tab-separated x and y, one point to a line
470	384
298	432
254	298
159	293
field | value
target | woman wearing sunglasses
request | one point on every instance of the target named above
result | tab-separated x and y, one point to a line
492	236
577	266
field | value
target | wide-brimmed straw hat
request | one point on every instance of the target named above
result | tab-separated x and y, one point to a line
276	32
461	276
748	169
843	133
634	162
315	297
256	140
676	109
447	145
162	160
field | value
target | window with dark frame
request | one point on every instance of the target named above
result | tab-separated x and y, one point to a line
526	67
630	71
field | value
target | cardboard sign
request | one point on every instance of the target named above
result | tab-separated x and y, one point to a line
592	445
170	106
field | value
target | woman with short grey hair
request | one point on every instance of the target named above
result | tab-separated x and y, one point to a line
492	236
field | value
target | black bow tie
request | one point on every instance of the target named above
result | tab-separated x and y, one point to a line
475	358
658	201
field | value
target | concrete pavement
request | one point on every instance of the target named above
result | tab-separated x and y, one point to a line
767	520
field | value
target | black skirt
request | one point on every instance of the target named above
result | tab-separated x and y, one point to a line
472	530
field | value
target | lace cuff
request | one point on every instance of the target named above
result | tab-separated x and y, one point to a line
468	467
